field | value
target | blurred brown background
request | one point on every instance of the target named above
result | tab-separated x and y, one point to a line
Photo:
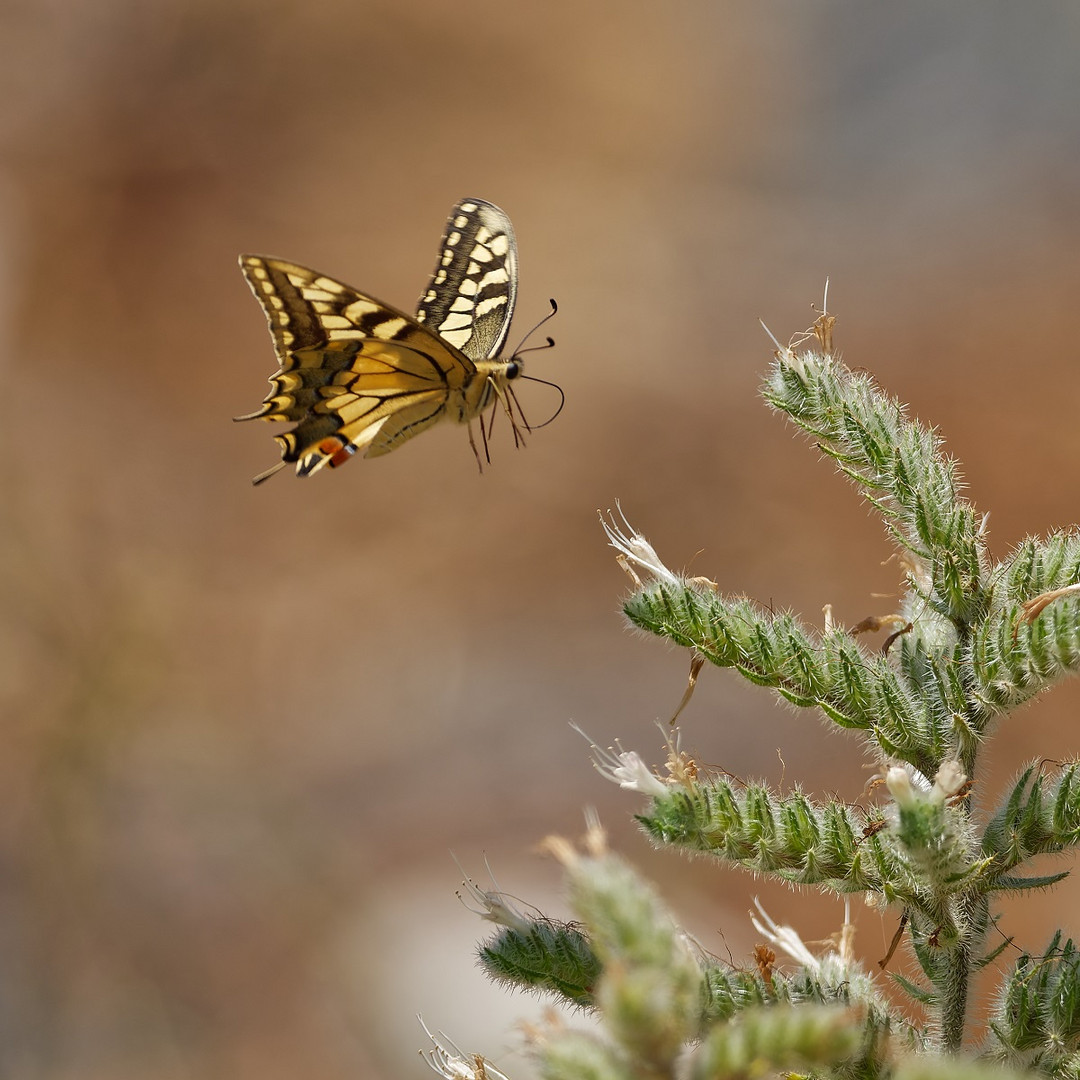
243	728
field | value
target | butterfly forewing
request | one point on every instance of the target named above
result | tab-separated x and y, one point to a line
470	298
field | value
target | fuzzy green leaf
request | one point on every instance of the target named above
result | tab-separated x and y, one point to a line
899	465
853	688
552	957
1037	1020
789	837
920	994
1036	817
765	1040
1013	658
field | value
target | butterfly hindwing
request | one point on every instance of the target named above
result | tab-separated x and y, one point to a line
470	298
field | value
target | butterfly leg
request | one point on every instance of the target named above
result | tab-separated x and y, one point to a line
485	431
504	400
472	443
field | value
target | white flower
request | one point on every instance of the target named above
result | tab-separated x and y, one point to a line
786	938
634	549
448	1060
908	786
837	965
898	781
625	768
948	780
494	905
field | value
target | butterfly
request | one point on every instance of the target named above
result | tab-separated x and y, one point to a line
357	374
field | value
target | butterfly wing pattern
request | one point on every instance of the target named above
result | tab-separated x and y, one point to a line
470	299
357	374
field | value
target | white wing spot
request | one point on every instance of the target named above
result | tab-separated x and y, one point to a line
358	309
386	330
455	321
500	245
452	238
498	276
458	338
491	304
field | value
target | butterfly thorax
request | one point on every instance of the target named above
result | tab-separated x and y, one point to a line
486	387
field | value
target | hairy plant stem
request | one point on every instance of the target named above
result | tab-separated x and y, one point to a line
956	983
954	994
972	917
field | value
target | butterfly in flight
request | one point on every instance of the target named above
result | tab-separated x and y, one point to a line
357	374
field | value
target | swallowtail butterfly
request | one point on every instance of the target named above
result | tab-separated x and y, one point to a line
357	374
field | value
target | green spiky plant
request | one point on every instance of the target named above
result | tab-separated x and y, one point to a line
972	640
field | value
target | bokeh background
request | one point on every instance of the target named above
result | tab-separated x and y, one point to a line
243	729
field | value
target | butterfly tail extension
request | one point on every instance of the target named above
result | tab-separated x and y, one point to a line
256	480
268	410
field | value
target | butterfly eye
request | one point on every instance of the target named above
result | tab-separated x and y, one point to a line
513	369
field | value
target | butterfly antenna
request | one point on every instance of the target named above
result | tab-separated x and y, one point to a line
562	399
550	315
549	343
